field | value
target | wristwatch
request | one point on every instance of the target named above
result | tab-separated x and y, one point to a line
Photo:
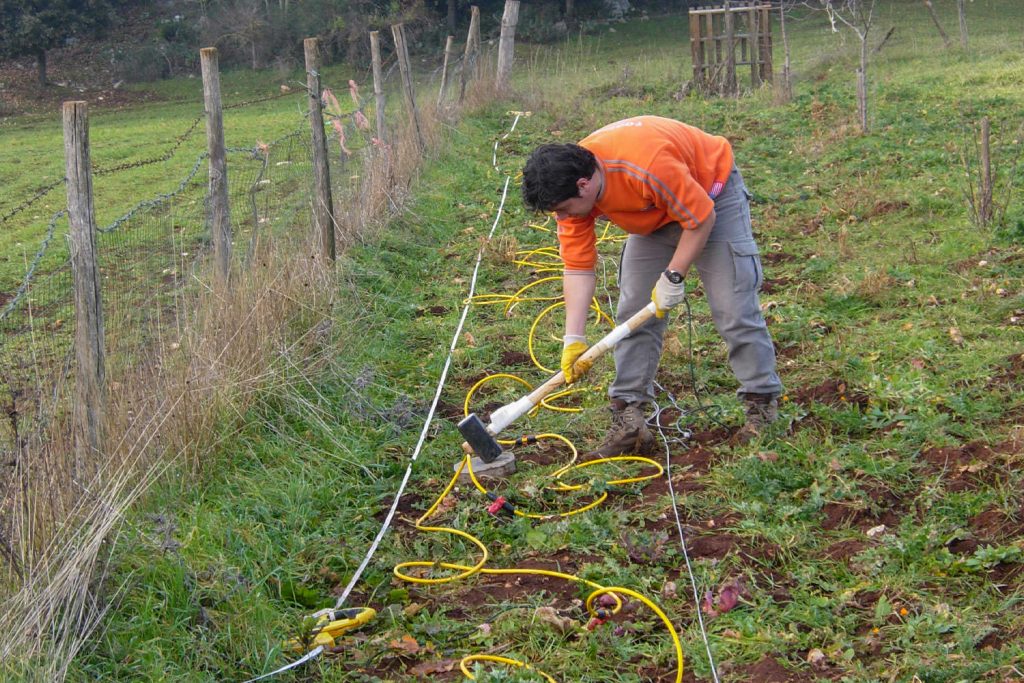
674	276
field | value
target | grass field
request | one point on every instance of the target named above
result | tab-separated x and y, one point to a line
876	535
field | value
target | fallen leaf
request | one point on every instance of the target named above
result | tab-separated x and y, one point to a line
917	363
406	644
548	615
954	334
411	609
768	456
484	629
668	591
423	669
876	531
470	340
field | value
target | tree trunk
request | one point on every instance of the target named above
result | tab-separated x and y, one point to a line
451	16
570	10
41	67
862	84
935	18
787	83
962	13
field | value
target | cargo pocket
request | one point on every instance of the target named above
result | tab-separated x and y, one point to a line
746	265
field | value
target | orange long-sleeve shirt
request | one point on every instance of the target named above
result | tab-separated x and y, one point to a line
656	171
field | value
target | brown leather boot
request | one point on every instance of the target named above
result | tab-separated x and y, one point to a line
761	410
628	434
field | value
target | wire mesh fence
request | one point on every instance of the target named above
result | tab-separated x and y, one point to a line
154	263
151	261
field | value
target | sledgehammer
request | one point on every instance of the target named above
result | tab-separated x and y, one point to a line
480	439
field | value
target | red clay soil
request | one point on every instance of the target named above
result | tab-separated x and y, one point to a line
771	285
513	358
492	590
844	550
1013	374
770	671
997	525
967	467
878	506
831	392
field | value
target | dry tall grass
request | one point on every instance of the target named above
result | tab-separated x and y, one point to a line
60	519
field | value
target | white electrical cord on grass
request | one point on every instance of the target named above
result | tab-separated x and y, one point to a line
437	394
313	654
682	536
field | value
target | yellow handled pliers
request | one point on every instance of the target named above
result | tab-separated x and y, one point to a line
329	624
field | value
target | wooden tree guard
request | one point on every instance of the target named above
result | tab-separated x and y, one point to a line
378	84
715	34
471	58
448	54
402	53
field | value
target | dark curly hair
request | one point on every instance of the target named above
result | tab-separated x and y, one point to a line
551	172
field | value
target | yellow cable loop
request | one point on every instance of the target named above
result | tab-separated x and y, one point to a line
465	571
469	659
595	306
546	401
518	296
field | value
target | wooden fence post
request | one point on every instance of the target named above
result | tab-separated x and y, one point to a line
470	58
754	47
730	51
378	84
323	203
767	47
398	32
220	211
696	50
90	389
448	52
506	43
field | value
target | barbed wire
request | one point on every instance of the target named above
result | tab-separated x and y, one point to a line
166	156
40	193
20	293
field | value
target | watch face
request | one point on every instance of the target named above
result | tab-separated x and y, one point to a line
675	277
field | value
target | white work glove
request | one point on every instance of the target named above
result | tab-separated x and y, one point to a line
667	295
573	346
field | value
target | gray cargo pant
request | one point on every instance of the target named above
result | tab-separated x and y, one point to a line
730	270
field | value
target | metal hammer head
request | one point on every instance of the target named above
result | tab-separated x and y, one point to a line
479	439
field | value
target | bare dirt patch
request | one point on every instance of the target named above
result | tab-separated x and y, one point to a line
996	524
515	358
768	670
879	505
831	392
1012	375
496	589
970	466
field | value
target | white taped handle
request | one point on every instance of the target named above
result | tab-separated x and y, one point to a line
506	415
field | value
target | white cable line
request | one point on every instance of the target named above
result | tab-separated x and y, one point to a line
308	657
313	654
682	535
437	396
